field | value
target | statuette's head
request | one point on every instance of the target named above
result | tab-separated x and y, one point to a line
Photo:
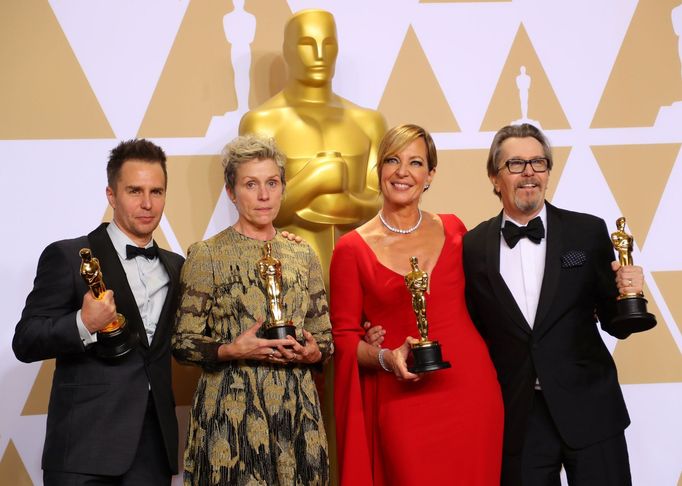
620	223
310	47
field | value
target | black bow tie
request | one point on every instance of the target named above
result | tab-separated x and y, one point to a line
133	251
534	231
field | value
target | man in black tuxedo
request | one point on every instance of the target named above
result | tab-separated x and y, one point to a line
535	297
110	421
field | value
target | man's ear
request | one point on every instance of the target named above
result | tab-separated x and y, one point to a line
111	197
493	181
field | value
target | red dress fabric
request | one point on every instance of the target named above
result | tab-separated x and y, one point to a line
445	429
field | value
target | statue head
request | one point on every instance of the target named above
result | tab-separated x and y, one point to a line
620	223
310	47
414	263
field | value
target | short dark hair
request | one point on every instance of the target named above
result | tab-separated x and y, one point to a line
524	130
138	149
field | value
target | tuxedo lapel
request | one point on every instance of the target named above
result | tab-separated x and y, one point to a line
115	278
550	280
504	296
166	320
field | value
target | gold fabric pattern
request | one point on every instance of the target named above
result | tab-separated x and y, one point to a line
252	423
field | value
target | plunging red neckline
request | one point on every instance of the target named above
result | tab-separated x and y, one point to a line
438	259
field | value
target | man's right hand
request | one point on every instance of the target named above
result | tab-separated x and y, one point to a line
97	314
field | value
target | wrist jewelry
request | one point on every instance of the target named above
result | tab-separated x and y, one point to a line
381	359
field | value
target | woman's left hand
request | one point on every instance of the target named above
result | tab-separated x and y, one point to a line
308	353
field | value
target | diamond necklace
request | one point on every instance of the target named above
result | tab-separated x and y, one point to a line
398	230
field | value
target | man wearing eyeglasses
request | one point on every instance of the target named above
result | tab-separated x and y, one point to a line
537	279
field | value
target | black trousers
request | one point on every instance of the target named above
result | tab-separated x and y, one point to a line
149	468
605	463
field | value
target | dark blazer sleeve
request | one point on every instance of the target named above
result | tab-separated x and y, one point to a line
605	299
467	257
47	328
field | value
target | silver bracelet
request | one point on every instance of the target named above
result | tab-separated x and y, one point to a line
381	359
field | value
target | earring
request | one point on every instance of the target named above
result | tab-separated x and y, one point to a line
426	186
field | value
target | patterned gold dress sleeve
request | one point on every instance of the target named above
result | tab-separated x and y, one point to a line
251	423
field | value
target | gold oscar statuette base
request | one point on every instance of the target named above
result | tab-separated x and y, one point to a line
427	357
632	314
115	340
280	331
631	308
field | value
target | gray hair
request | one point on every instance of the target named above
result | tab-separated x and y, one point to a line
246	148
524	130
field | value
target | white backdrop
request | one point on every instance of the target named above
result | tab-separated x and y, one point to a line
80	75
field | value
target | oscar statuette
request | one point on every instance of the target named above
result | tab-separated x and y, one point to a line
270	270
115	339
632	312
427	354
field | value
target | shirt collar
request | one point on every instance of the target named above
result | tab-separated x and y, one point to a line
120	240
542	214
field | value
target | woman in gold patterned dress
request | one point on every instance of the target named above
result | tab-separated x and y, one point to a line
256	416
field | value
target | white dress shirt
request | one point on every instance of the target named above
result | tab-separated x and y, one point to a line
523	268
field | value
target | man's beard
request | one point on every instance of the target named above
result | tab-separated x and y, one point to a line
528	205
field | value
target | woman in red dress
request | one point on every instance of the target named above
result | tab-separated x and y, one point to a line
394	427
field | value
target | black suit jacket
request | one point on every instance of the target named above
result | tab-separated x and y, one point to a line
563	348
97	407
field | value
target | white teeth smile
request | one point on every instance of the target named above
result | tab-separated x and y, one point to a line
398	185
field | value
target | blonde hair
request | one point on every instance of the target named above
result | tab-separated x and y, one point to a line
397	138
246	148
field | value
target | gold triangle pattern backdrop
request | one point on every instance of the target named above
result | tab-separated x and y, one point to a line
603	79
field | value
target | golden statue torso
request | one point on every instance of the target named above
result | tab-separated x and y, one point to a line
270	271
330	167
330	180
91	273
330	143
417	282
623	243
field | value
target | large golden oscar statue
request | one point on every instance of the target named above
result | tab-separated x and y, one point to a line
331	144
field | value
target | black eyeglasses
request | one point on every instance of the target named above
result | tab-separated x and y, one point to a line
517	166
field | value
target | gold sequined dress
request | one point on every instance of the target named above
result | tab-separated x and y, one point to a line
251	423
